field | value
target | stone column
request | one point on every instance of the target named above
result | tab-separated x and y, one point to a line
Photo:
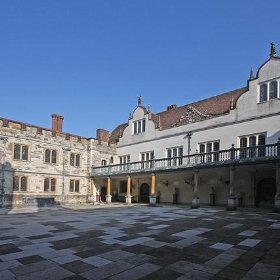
195	200
92	191
232	197
128	196
153	197
277	196
108	196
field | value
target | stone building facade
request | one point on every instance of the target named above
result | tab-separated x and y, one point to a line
44	166
223	150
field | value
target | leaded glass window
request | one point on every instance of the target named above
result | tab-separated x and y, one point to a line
263	92
273	90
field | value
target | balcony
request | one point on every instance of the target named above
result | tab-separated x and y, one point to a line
237	156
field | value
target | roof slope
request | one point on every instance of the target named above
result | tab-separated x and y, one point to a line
193	112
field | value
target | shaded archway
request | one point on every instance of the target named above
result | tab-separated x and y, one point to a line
144	192
103	193
266	191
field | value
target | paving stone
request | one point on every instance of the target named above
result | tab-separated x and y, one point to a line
78	267
133	242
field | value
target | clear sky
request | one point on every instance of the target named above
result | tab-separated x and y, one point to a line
89	60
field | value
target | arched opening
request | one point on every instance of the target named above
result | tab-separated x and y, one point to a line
144	193
266	191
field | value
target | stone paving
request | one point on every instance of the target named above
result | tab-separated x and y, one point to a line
139	242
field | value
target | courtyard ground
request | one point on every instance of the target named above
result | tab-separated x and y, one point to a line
139	242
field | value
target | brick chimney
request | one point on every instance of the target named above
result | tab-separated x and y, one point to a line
102	135
57	122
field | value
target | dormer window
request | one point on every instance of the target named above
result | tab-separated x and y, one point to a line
269	90
139	126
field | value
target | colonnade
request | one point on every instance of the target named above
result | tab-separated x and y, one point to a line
231	203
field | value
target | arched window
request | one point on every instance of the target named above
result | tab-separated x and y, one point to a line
103	162
47	155
216	147
46	185
263	93
252	143
20	183
23	185
24	153
273	90
261	142
16	184
54	156
16	151
261	139
243	144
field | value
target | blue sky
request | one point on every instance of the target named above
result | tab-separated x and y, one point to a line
90	60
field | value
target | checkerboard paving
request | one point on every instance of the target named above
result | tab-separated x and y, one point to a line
139	242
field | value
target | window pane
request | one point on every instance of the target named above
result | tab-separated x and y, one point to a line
216	146
209	147
263	93
46	185
47	156
78	160
273	90
252	141
181	151
202	148
53	185
54	156
143	125
17	151
16	184
24	153
139	127
135	128
261	140
23	185
243	142
77	185
72	159
168	153
71	189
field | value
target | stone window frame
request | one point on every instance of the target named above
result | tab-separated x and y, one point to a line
21	152
146	158
52	158
75	159
254	141
74	186
19	180
209	147
49	185
176	153
267	90
139	126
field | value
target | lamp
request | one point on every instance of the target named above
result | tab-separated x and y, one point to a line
165	182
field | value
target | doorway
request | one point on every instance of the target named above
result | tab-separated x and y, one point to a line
266	191
103	194
144	193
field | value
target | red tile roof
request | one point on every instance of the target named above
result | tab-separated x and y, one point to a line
193	112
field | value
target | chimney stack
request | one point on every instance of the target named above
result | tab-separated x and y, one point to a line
102	135
57	122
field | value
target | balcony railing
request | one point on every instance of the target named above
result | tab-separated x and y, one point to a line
230	156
